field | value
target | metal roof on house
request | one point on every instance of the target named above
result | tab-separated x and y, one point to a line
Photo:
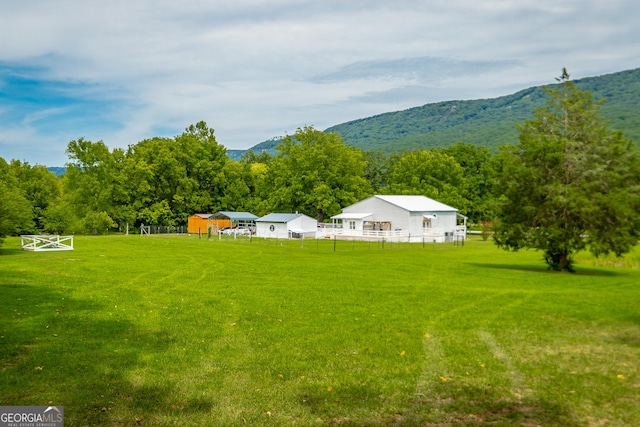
235	216
417	203
349	215
279	217
202	215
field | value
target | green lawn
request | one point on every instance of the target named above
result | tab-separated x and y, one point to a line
174	330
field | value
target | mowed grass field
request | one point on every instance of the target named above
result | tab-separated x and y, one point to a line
176	330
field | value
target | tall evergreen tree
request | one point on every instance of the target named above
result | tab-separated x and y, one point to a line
570	184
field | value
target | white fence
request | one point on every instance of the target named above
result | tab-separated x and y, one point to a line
342	233
329	231
41	243
161	229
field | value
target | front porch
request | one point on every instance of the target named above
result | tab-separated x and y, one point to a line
431	235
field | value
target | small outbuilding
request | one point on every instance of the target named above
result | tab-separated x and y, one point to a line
408	218
202	222
236	220
199	223
286	226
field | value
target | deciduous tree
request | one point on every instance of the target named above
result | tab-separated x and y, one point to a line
429	173
172	178
39	186
15	210
377	169
316	173
90	180
479	176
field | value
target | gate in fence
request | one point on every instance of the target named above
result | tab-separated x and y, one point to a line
42	243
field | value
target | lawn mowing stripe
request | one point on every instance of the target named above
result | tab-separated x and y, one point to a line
519	388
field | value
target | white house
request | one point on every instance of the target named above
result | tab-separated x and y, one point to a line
286	225
401	218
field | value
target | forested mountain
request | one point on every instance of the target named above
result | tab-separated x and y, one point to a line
484	122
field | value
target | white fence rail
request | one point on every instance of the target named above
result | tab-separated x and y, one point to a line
41	243
366	234
435	234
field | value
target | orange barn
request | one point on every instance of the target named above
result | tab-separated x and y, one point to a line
200	223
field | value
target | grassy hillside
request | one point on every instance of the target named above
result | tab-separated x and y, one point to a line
489	122
486	122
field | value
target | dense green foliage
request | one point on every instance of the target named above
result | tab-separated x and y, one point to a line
16	214
172	330
478	167
317	174
177	177
434	174
570	183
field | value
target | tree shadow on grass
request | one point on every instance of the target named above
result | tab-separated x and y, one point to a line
465	405
627	337
457	403
59	350
629	340
340	402
10	251
580	271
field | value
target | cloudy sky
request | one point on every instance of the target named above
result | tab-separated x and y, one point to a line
121	71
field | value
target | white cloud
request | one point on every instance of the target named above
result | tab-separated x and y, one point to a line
255	69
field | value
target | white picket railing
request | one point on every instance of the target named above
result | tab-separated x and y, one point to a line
41	243
439	234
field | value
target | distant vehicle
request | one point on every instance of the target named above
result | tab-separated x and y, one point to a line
235	231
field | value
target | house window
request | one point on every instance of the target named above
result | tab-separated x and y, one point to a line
352	225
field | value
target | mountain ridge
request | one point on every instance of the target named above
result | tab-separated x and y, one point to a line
489	122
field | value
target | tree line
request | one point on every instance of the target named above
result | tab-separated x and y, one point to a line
161	181
569	183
